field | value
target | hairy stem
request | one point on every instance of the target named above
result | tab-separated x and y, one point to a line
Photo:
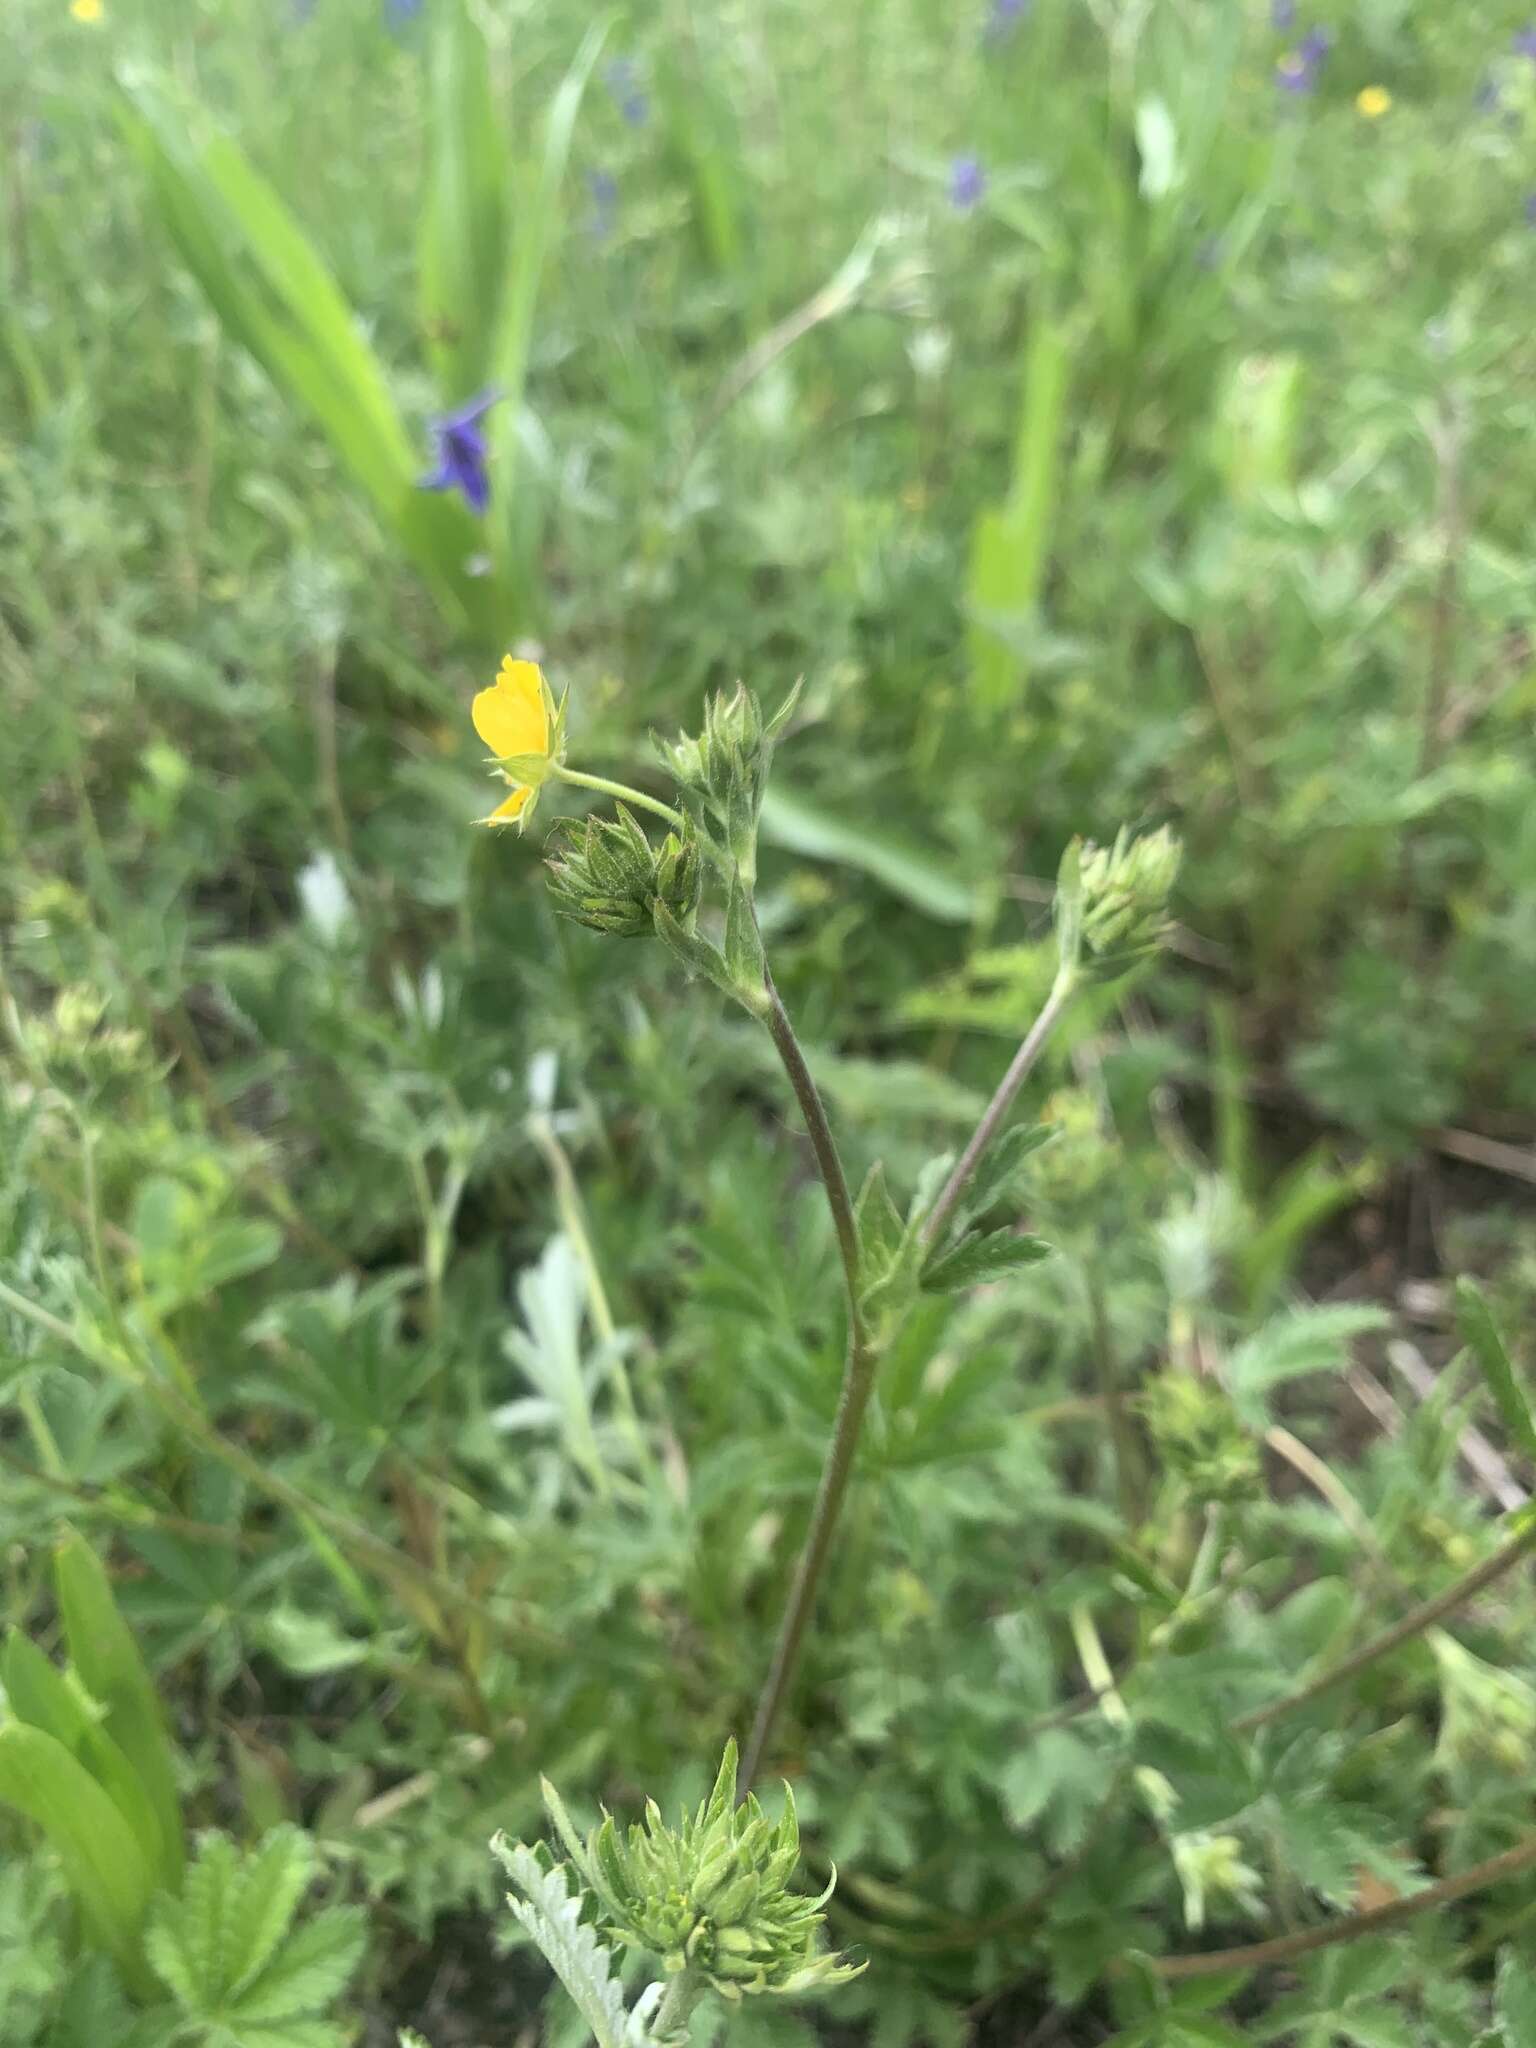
863	1357
1062	991
1413	1623
852	1402
603	787
672	2015
1354	1926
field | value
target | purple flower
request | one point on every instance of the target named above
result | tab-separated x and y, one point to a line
1004	18
1294	74
1282	16
1297	71
623	81
603	191
402	12
967	183
1524	44
461	453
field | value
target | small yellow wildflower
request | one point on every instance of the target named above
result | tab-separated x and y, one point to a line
513	717
85	10
1373	102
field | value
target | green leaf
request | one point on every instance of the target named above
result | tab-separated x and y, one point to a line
1000	1165
1515	1999
464	221
311	1968
39	1695
107	1661
743	944
92	2010
987	1255
187	1936
270	1884
275	297
549	1911
103	1865
537	223
800	825
1010	545
1481	1335
1292	1346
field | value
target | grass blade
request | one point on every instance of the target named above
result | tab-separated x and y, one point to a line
1011	543
107	1660
515	530
39	1695
463	242
274	295
103	1864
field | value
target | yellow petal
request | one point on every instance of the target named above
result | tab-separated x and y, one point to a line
507	810
510	716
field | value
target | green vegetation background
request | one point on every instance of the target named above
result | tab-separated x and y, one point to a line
1182	474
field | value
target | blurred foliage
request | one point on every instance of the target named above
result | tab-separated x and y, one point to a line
421	1304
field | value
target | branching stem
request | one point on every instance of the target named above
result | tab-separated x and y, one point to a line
1062	990
1413	1623
1354	1926
852	1402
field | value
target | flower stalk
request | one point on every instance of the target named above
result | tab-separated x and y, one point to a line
1111	906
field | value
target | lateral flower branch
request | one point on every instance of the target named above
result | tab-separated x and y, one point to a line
695	892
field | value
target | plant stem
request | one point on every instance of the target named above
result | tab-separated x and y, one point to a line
1413	1623
604	787
863	1357
852	1400
670	2022
1354	1926
1062	991
828	1160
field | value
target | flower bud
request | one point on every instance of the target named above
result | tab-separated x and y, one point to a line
608	876
1112	902
711	1895
722	774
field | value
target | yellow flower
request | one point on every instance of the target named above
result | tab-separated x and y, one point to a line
1373	102
85	10
514	718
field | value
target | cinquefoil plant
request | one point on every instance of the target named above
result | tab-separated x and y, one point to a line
711	1898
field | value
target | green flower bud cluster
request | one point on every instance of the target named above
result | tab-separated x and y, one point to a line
1112	902
1200	1438
722	775
712	1895
607	875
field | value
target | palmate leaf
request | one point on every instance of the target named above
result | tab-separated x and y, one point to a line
224	1951
186	1936
266	1896
310	1969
